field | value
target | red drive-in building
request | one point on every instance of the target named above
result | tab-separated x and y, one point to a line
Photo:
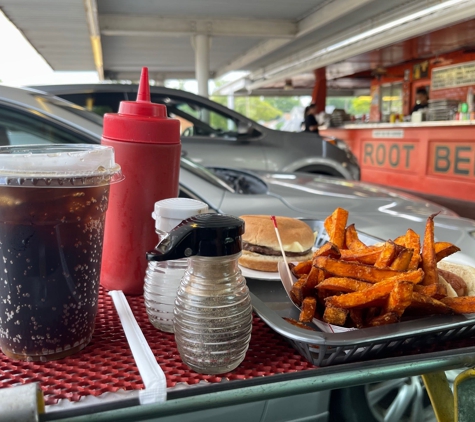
430	152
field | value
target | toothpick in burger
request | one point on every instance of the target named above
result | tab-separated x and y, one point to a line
260	246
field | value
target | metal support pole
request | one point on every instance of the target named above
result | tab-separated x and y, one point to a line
319	94
230	101
231	106
201	44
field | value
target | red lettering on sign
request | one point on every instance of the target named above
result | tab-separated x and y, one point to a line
391	155
452	159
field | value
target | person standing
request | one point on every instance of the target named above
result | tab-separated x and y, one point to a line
310	121
422	99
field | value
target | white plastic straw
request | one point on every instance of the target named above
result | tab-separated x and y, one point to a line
274	220
152	375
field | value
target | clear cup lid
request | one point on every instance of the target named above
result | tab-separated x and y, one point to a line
58	165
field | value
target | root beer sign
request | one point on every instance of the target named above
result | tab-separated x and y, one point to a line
452	159
391	154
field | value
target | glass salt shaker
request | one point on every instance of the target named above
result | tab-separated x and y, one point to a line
213	312
162	279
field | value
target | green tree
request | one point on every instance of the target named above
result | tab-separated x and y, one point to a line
352	105
284	104
256	108
360	105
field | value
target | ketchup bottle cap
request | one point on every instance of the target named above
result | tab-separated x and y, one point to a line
142	120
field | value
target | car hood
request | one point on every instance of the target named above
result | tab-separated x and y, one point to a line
380	212
306	192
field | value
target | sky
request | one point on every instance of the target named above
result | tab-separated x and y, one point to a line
21	65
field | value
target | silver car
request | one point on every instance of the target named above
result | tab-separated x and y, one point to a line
32	117
212	134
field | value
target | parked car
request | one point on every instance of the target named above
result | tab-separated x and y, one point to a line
34	117
212	134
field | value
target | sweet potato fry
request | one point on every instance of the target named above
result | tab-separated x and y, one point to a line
301	268
429	262
308	308
367	255
412	241
461	304
436	291
315	276
352	240
328	224
299	291
444	249
356	315
399	298
343	284
388	254
335	316
370	313
387	318
328	249
353	269
354	285
363	298
402	261
400	240
335	226
322	294
429	305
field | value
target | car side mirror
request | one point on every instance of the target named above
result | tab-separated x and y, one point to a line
244	128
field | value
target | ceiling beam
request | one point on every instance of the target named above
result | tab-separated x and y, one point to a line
122	25
95	36
328	13
371	36
154	75
323	16
260	50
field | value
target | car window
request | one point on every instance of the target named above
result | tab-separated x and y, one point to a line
20	128
217	121
197	119
98	102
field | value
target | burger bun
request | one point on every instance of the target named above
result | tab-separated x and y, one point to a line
297	237
267	263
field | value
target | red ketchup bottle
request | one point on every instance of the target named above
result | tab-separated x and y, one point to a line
147	146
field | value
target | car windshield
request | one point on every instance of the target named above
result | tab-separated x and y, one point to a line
70	107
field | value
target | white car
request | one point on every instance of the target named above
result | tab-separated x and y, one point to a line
32	117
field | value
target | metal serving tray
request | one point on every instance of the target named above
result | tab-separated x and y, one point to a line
272	304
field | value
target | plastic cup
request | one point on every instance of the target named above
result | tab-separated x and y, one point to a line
53	200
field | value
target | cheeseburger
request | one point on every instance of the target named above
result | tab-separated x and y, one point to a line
260	246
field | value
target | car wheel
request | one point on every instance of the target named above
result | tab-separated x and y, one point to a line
399	400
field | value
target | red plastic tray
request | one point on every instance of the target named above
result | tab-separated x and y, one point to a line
107	365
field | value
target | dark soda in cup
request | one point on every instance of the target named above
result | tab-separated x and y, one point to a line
52	216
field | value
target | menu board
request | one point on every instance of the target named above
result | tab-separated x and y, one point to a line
453	76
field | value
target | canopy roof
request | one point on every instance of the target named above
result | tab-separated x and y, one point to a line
274	40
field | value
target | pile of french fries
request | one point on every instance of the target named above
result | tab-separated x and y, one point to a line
351	284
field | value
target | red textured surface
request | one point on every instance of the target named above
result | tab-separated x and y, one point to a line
107	365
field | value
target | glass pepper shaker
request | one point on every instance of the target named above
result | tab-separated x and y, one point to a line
213	311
